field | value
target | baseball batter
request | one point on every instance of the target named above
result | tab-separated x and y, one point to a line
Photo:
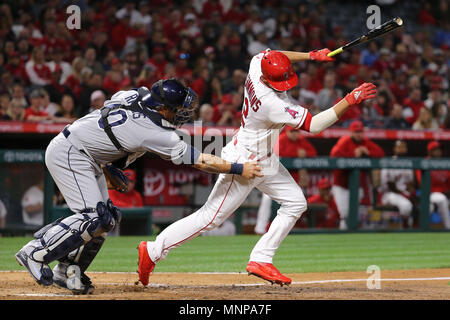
130	124
267	108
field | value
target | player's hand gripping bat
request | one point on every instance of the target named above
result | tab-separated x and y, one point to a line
372	34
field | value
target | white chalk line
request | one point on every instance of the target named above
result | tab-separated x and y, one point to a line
160	285
163	285
44	295
128	272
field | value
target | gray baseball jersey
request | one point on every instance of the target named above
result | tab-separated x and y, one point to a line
75	155
135	132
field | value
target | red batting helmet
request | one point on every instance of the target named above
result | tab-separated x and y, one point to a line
277	70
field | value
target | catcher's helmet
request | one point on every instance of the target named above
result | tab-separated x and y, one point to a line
175	96
278	71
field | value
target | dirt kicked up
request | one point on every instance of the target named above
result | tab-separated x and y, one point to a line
393	284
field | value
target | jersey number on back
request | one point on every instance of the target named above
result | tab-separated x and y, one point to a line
115	123
245	109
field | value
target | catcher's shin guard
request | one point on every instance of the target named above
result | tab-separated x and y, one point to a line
72	232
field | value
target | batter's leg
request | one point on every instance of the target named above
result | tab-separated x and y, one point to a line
283	189
227	195
265	208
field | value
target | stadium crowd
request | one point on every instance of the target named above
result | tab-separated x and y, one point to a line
51	73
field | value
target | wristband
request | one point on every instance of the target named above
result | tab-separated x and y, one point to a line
237	168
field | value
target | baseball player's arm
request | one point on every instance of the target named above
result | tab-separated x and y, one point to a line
318	55
212	164
327	118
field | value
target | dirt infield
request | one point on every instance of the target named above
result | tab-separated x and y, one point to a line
395	284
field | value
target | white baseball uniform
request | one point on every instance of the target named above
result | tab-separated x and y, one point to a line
264	113
401	178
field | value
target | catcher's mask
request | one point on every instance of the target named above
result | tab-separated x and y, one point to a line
174	95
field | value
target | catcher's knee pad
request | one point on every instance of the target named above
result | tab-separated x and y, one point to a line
115	212
62	237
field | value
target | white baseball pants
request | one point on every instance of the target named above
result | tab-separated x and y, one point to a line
227	195
342	198
403	204
440	200
263	217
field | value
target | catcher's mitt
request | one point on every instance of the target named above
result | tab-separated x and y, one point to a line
115	178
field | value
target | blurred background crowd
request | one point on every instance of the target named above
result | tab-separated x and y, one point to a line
51	73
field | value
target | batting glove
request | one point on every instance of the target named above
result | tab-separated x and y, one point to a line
363	92
320	55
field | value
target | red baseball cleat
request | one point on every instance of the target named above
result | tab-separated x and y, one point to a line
146	265
267	272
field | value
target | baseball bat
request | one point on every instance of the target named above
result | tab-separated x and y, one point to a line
372	34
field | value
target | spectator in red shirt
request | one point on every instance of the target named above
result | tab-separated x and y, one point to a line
224	112
383	62
34	112
399	87
54	88
425	17
16	67
128	199
37	71
147	77
354	145
351	68
412	106
328	218
210	7
182	71
200	84
158	61
73	81
440	185
122	31
292	144
115	80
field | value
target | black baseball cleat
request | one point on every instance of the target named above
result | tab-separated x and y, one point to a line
70	277
38	270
